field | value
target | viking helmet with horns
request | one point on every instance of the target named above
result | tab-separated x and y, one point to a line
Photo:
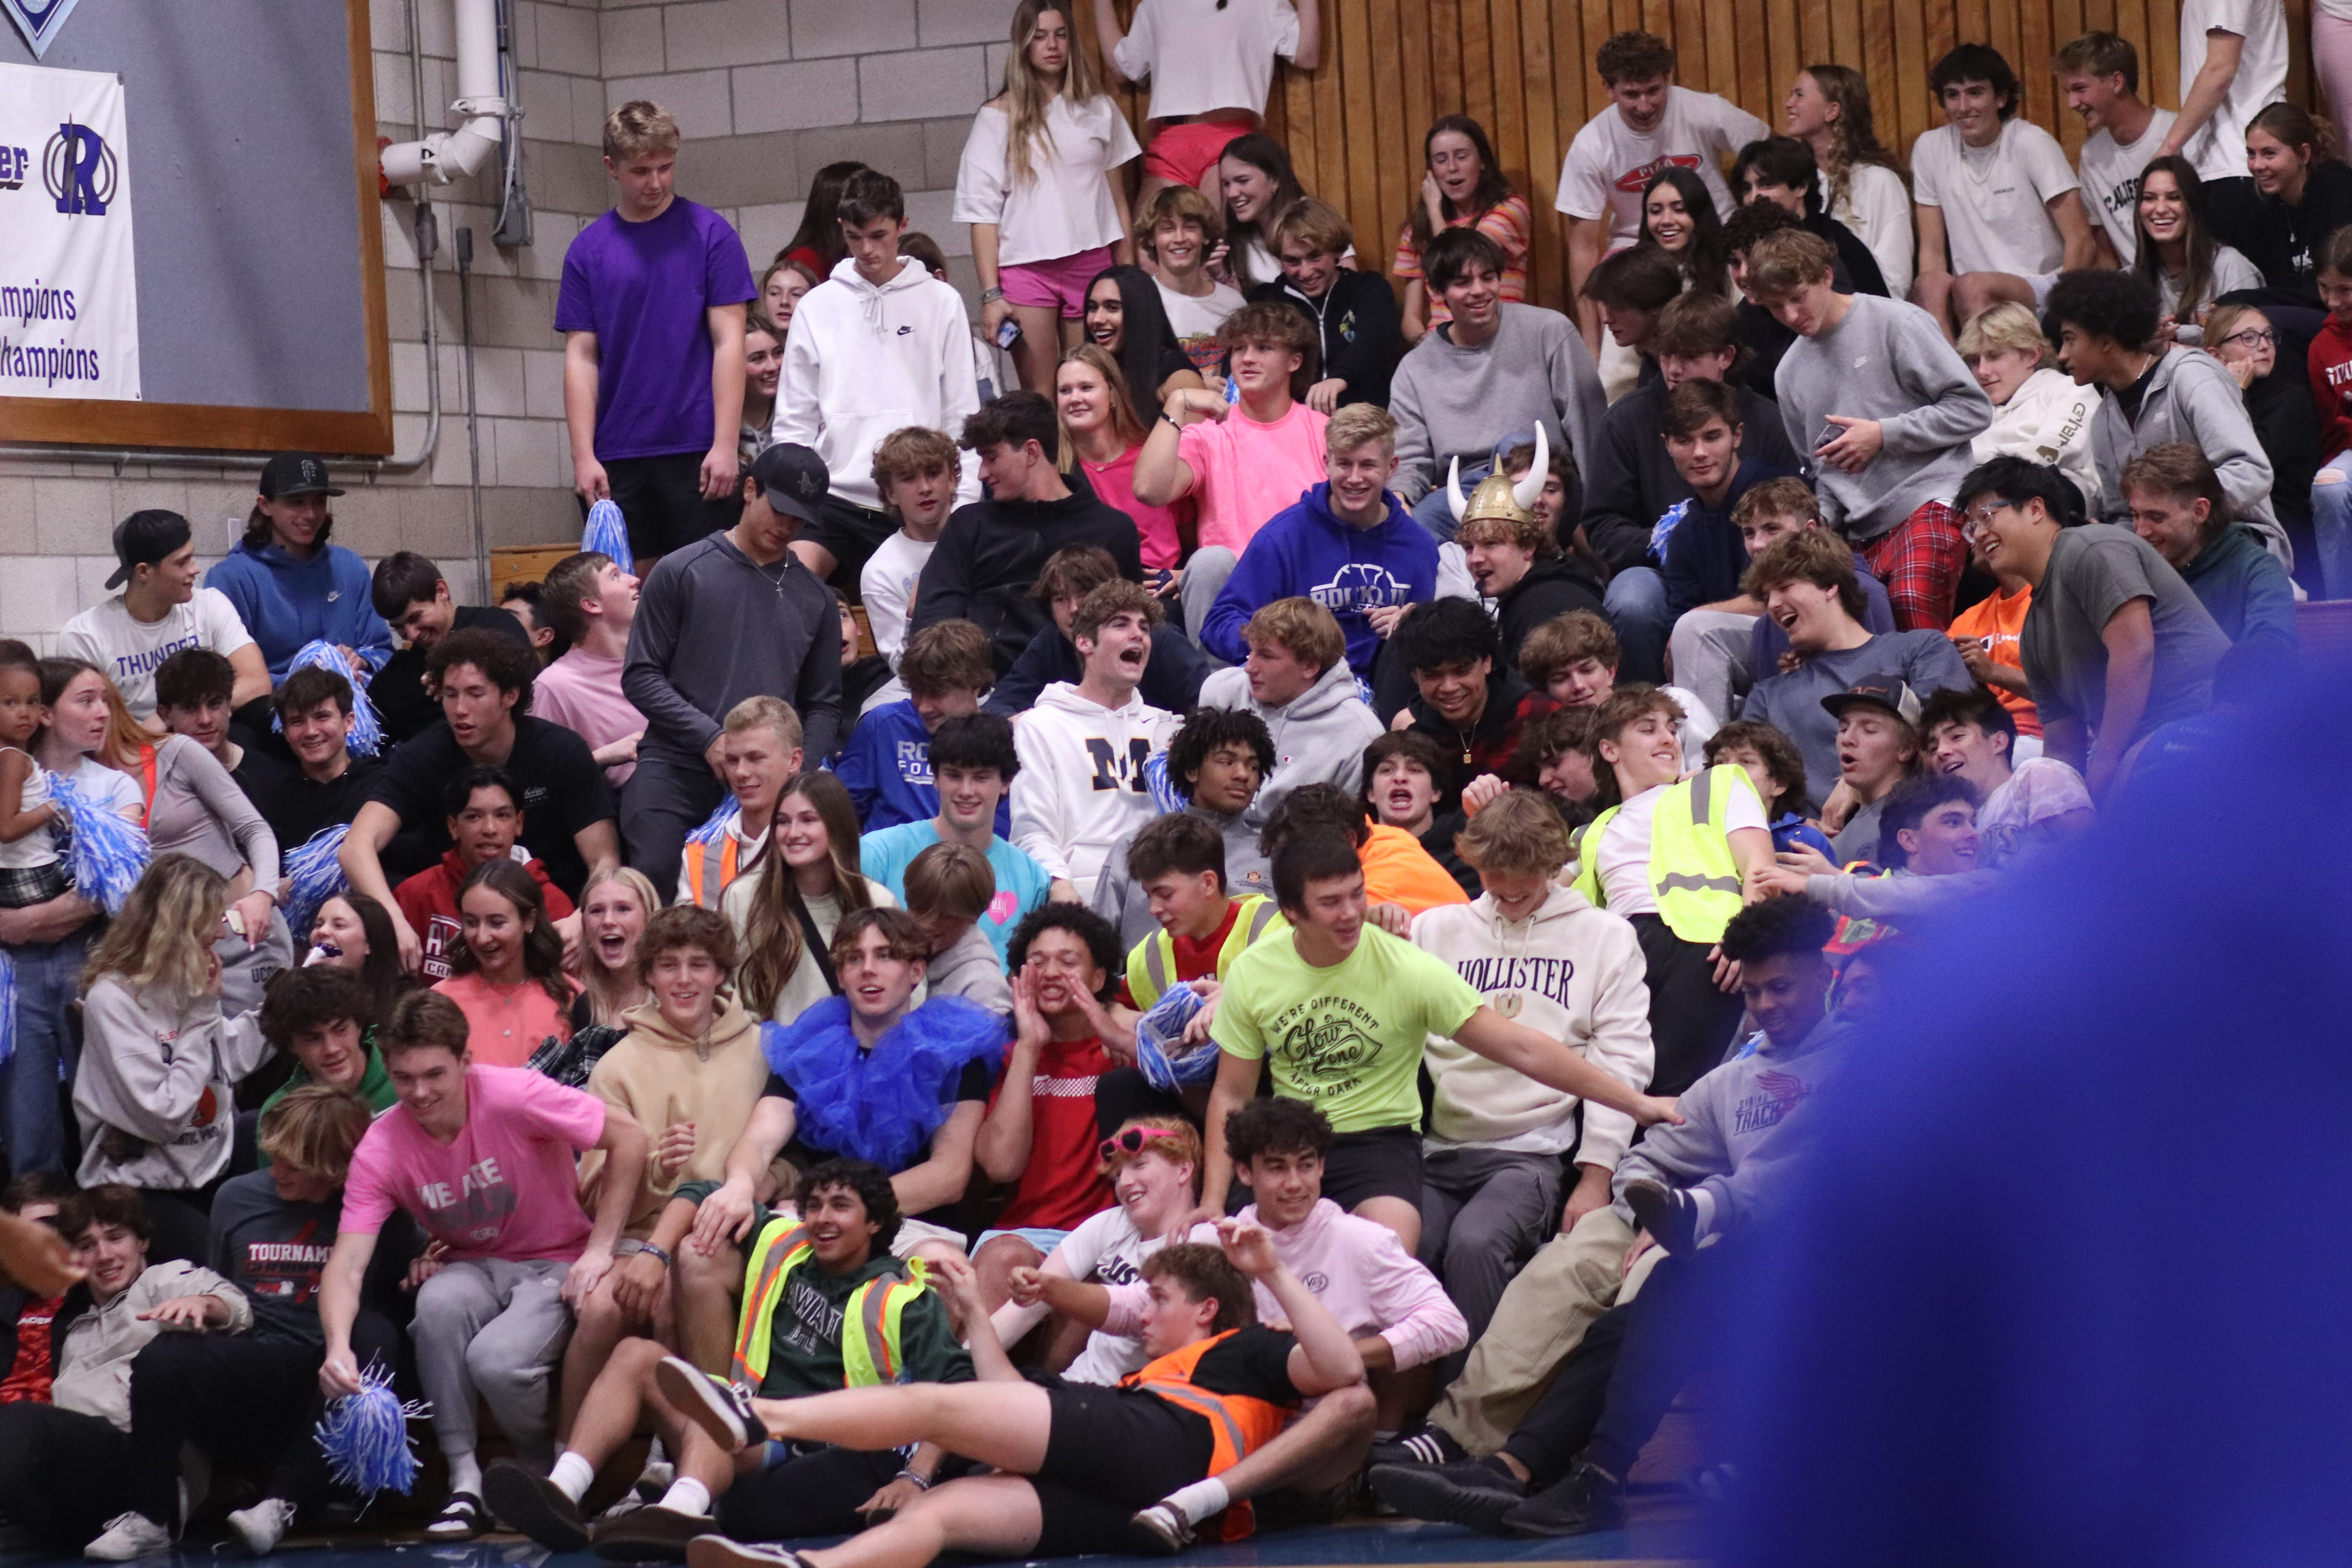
1497	495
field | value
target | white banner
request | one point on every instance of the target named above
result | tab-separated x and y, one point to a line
68	291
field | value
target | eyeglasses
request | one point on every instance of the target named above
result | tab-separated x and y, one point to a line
1976	519
1131	1140
2252	337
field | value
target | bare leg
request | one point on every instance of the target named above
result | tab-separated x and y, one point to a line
1932	292
1402	1217
993	1516
610	1407
1001	1423
601	1325
1039	346
704	1289
815	557
995	1263
1313	1453
1976	291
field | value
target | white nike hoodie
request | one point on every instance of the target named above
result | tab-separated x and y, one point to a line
861	361
1081	782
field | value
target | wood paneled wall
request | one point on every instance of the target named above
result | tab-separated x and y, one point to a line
1524	69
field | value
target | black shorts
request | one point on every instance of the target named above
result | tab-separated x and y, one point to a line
852	532
1384	1163
661	499
1108	1453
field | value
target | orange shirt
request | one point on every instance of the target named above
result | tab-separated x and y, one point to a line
1507	223
1398	870
1997	621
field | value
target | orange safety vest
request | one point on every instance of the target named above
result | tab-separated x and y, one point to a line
1237	1423
698	858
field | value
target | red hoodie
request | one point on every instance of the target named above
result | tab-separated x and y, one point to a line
428	901
2330	365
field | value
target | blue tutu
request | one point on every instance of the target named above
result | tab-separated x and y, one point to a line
881	1105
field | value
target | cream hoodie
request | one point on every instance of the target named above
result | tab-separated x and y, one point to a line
1081	783
661	1078
1570	971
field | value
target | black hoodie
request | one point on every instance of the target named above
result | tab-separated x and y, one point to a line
990	552
1552	586
1357	321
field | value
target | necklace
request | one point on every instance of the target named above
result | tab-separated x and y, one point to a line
505	996
1509	1004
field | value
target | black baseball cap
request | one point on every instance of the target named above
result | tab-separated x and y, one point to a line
794	479
145	538
295	474
1886	692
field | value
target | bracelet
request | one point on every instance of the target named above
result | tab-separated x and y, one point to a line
990	296
657	1252
923	1483
1168	418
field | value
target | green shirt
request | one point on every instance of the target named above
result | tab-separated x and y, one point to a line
374	1086
1347	1039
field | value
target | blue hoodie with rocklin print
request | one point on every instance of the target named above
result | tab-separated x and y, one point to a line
1305	552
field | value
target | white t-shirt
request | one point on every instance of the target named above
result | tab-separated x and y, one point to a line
1622	856
1876	204
1995	199
2219	149
2110	171
1201	54
886	583
130	651
1065	205
1196	319
1107	1250
2040	789
1608	162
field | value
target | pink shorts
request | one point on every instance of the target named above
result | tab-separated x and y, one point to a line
1181	154
1059	285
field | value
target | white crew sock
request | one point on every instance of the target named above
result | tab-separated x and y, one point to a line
464	1473
574	1474
686	1495
1198	1500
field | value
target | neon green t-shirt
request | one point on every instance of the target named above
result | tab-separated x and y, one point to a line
1347	1039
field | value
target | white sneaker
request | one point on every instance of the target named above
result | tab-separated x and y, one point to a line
129	1535
264	1525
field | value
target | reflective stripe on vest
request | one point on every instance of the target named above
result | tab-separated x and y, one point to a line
1158	950
871	1325
871	1341
1693	874
696	856
781	1243
1238	1424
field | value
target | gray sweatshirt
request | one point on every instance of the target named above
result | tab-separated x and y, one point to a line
1898	893
156	1091
2191	396
1319	735
94	1361
1731	1122
1118	899
967	967
713	629
1886	361
1455	402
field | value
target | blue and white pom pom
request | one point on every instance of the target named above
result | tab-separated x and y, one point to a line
1167	1062
8	1009
105	853
608	534
714	830
365	1436
1164	797
313	876
367	730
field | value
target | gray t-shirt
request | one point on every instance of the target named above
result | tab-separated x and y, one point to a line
2095	571
1791	703
1858	839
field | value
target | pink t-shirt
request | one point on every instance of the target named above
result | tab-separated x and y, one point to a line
1161	527
505	1024
1244	471
581	692
507	1186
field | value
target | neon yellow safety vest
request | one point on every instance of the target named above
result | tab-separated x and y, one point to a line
871	1349
1151	967
1692	872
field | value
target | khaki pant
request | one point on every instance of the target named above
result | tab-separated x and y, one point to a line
1541	1319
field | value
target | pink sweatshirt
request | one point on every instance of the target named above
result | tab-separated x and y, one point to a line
1357	1268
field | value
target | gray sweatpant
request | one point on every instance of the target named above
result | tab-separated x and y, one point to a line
1709	652
494	1328
1484	1212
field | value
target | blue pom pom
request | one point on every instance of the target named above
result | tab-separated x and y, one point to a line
608	532
1168	1063
105	853
365	1436
367	730
1162	787
313	876
8	1009
712	830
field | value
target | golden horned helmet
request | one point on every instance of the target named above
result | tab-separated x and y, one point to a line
1497	495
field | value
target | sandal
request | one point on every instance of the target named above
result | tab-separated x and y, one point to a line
462	1518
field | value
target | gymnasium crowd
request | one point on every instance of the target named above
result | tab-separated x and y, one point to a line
1266	859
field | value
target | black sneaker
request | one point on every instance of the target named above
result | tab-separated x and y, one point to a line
655	1534
720	1409
1423	1445
1668	1214
1588	1499
1475	1492
527	1502
718	1551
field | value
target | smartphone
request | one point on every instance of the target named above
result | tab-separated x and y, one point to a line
1007	333
1829	434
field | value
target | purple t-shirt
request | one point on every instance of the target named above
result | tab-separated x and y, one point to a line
642	288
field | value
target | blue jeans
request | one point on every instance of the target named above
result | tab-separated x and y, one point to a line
1637	603
2331	524
49	975
1435	512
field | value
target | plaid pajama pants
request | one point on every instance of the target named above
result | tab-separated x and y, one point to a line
1920	561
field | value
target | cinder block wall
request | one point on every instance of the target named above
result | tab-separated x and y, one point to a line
766	91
